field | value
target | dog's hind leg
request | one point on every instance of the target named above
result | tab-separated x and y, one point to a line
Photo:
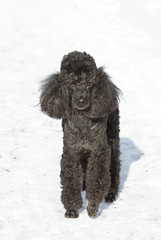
114	142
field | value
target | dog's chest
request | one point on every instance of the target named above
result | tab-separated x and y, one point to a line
81	124
82	132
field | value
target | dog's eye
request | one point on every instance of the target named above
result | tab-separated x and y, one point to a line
89	84
72	86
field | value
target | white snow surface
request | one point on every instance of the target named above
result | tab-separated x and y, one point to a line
123	35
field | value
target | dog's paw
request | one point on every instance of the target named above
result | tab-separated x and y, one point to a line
92	209
111	197
71	214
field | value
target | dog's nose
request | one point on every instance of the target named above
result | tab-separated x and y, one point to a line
81	101
81	98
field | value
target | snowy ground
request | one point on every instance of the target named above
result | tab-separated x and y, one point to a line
34	35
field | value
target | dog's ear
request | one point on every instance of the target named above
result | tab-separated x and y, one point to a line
51	97
105	96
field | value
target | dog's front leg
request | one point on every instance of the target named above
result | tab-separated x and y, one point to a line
98	178
71	182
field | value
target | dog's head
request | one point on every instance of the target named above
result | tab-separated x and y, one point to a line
78	72
81	86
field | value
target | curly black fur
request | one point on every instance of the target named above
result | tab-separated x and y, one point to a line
85	98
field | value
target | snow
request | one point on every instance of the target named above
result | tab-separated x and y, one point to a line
125	37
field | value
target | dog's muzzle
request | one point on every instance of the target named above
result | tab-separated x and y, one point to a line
81	102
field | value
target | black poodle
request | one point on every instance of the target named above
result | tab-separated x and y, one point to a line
84	97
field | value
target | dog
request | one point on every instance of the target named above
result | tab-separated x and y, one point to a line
86	100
